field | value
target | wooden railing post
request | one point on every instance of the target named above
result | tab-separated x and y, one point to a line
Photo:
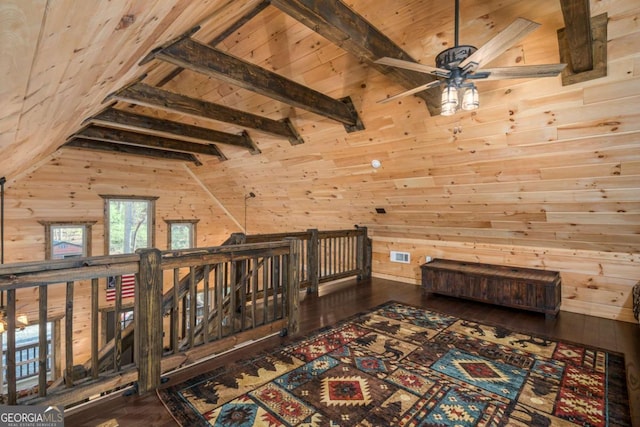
12	392
237	239
293	288
148	320
68	335
363	252
312	261
43	351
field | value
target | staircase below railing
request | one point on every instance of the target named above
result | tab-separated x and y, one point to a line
188	305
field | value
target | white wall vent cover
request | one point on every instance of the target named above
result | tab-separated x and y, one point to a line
404	257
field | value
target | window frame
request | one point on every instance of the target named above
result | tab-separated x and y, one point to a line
193	234
48	240
151	219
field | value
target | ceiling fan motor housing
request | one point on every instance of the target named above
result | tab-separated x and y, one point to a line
450	58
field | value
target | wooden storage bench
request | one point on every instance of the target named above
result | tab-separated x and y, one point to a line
525	288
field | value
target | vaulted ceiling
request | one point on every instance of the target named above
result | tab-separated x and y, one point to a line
290	88
81	51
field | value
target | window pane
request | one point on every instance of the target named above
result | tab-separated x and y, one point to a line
67	241
128	225
28	353
181	235
126	318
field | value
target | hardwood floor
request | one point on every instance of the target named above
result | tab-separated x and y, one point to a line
345	299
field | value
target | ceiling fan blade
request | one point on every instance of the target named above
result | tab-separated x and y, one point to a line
506	38
410	91
522	72
414	66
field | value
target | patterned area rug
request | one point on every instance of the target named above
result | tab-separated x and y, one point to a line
404	366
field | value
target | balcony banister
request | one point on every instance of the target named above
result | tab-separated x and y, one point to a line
249	289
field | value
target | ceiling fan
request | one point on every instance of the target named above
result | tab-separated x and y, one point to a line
458	66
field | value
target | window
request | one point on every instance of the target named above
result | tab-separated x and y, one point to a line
199	307
67	239
63	239
126	318
27	356
129	224
181	234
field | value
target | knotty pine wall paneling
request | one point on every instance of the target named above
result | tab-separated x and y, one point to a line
541	175
68	186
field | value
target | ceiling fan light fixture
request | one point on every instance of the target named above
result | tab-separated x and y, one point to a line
470	99
449	103
22	320
460	63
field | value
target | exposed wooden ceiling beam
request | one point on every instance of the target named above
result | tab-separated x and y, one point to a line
143	94
112	117
577	20
222	36
599	52
132	138
338	23
90	144
188	53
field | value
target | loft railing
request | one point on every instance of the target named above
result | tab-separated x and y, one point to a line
325	256
188	305
70	280
249	290
228	296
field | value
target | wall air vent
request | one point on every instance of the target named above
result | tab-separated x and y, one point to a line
403	257
381	210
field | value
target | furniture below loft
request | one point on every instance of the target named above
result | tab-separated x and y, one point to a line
525	288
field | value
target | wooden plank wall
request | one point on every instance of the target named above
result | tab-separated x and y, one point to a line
67	187
544	177
593	282
540	176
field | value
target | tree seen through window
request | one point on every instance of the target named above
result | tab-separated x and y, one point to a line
181	233
129	225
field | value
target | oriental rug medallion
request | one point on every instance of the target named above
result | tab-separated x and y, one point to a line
404	366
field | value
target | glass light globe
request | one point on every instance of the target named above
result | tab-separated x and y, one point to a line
449	103
470	99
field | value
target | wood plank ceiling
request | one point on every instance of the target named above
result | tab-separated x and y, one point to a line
291	87
333	20
116	130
